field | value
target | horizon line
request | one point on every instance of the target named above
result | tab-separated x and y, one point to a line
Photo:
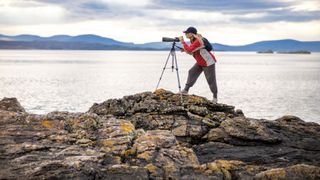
152	41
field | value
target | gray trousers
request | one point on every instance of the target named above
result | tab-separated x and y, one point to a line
209	72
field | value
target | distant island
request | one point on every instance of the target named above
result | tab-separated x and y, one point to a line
288	52
95	42
295	52
265	52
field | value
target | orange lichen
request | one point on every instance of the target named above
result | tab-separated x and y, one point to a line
161	98
213	167
107	142
46	123
159	92
195	99
145	155
151	168
224	166
128	152
126	127
278	173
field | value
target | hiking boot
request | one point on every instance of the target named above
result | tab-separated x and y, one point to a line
184	92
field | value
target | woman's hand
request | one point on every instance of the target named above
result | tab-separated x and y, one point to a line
181	39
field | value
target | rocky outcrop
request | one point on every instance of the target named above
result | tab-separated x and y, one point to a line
11	104
155	136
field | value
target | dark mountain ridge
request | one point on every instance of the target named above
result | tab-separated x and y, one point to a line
95	42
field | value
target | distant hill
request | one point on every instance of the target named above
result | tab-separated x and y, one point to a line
59	45
86	38
275	45
95	42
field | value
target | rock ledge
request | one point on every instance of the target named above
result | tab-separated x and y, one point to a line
155	136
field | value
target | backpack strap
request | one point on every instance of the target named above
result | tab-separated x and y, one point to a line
199	38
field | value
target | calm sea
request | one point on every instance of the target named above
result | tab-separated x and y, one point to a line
264	86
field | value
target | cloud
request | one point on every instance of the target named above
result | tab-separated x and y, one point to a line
286	15
243	11
165	11
100	9
151	19
95	6
18	12
230	6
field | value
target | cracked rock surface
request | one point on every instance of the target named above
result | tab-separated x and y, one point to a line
155	136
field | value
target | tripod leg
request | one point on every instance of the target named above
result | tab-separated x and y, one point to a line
177	70
173	54
163	70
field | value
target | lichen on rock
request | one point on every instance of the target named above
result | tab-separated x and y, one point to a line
155	136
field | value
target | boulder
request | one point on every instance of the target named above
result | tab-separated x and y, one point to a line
159	152
249	130
11	104
300	171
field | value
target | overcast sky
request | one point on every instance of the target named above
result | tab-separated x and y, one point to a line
232	22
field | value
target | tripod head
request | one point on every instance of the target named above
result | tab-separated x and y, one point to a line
175	46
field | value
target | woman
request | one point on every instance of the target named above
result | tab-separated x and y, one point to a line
205	62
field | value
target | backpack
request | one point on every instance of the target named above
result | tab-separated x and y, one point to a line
207	44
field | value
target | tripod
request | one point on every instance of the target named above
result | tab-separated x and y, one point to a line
174	65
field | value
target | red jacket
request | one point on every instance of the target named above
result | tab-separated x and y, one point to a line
203	57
